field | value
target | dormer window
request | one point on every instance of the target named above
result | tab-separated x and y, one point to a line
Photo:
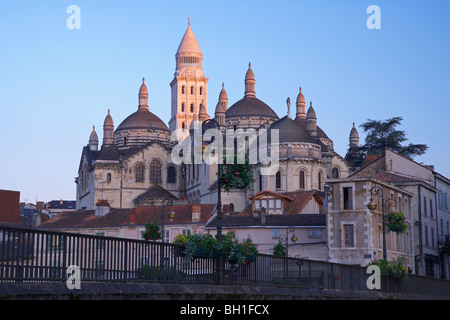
271	202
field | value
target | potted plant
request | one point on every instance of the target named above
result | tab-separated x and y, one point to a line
235	175
151	232
395	221
279	250
394	269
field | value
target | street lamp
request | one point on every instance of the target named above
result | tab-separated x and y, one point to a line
372	206
286	238
219	235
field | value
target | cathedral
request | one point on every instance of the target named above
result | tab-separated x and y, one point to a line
133	166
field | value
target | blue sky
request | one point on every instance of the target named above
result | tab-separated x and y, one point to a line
56	83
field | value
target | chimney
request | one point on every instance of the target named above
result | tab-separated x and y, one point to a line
39	206
196	210
263	216
132	217
226	210
102	208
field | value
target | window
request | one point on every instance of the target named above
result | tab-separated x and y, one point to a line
182	107
314	233
183	89
319	182
426	236
192	107
445	201
183	126
348	198
276	233
257	205
335	173
201	90
186	232
192	90
108	178
302	180
440	199
425	206
139	171
231	206
431	208
278	180
155	171
125	141
278	204
171	175
349	241
260	182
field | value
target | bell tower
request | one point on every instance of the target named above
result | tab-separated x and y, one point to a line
189	86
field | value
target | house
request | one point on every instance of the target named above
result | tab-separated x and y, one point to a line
295	219
355	234
419	181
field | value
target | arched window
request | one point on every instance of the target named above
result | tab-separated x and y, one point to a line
171	175
260	182
278	180
155	171
182	89
302	180
231	206
319	181
201	90
139	171
108	178
335	173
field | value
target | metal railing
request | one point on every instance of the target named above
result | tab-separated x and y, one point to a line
37	255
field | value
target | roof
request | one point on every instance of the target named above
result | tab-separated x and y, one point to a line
384	176
120	217
290	131
189	43
250	107
298	201
304	220
62	204
142	119
154	193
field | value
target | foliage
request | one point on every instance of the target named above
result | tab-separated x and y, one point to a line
395	221
383	134
235	175
152	232
394	269
206	246
279	250
157	273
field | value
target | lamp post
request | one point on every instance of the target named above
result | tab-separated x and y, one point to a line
165	203
286	238
373	206
219	235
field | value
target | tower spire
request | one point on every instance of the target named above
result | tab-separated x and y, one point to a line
250	82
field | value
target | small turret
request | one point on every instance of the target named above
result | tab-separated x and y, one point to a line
93	140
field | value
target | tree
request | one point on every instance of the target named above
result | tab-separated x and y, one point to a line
382	135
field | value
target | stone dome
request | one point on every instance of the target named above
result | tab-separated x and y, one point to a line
142	119
250	107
